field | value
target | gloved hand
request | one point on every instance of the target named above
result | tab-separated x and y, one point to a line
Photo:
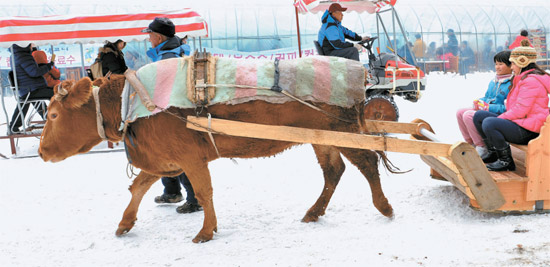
481	105
364	38
52	59
358	46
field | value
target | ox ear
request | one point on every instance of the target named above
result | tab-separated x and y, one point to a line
74	94
99	81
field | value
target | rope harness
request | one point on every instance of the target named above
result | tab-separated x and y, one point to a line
99	116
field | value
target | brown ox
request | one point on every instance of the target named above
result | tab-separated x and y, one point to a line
162	145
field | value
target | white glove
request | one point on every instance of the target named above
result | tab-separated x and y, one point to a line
358	46
364	38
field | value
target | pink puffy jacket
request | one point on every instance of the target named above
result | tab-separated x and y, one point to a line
527	103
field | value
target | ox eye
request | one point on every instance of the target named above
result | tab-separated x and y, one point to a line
53	116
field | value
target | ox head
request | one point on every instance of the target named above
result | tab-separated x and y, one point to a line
71	124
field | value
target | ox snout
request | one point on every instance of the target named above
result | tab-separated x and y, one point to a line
46	157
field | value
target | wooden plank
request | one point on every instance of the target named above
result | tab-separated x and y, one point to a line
320	137
538	165
508	176
519	159
476	175
515	195
391	127
520	147
449	172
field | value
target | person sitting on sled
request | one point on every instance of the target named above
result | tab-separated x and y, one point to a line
493	101
526	110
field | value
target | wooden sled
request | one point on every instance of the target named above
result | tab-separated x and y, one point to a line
458	163
525	190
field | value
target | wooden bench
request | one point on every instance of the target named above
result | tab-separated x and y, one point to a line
525	190
528	187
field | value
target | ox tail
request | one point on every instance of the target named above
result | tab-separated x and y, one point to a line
360	108
388	164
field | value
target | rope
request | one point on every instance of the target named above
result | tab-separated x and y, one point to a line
130	171
211	136
99	117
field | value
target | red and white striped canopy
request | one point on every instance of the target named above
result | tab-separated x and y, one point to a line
52	30
315	6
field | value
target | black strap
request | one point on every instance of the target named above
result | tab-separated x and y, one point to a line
276	86
129	134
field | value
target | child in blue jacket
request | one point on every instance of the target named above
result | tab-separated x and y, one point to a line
493	101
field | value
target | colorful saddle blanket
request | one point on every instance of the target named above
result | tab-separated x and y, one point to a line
332	80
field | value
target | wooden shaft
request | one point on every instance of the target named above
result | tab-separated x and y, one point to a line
140	89
377	126
320	137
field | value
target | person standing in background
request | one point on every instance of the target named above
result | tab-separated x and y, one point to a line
165	44
523	35
112	58
452	43
185	47
419	47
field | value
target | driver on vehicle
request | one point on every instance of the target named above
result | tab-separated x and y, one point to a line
332	35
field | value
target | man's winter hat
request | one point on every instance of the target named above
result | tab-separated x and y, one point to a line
336	7
524	55
163	26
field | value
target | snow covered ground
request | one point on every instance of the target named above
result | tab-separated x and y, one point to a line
65	214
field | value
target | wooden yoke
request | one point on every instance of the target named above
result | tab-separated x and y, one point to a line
201	71
140	89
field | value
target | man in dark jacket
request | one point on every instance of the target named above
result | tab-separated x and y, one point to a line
30	80
165	44
332	35
452	44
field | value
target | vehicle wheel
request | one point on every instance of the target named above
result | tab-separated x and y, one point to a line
381	107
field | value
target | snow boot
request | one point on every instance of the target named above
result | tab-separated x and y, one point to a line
482	151
169	198
188	207
491	155
505	161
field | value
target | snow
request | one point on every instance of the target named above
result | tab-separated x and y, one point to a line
65	214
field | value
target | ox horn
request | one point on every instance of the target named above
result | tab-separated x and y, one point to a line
61	93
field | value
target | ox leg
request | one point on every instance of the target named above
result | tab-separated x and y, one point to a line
367	162
333	167
199	176
139	187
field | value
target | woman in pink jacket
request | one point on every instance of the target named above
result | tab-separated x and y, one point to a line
526	110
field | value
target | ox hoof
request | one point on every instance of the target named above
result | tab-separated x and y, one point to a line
310	218
122	231
201	238
388	212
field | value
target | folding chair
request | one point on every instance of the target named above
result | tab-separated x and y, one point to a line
23	103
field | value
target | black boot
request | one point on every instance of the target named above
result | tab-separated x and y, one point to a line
505	161
491	153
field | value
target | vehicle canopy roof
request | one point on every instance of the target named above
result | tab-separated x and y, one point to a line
97	28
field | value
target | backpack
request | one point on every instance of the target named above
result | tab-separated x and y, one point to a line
97	69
